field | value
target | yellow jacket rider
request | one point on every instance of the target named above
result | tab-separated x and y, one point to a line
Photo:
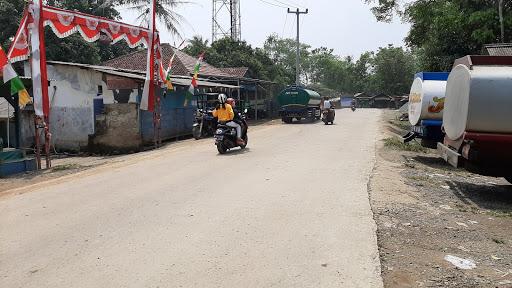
224	113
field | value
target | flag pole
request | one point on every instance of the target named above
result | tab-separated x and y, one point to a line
40	78
151	100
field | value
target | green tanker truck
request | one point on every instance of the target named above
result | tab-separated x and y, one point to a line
299	103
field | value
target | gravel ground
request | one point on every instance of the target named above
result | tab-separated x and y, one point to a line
425	211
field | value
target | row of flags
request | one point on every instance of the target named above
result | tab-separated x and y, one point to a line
8	74
165	75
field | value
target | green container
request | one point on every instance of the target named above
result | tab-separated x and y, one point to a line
298	96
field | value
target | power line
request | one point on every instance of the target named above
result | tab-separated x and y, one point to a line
284	27
290	3
273	4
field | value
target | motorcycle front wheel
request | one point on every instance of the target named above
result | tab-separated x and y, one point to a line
196	133
221	148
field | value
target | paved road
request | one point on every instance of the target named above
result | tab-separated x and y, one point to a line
291	211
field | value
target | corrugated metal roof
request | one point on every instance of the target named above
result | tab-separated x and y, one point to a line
499	49
139	75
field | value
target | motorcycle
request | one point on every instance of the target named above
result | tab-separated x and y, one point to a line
225	136
328	116
204	124
353	108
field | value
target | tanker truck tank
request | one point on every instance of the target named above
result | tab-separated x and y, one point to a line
477	116
426	105
299	103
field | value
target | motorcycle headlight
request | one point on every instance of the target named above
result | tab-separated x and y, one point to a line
219	131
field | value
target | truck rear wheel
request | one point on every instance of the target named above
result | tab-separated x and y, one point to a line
509	179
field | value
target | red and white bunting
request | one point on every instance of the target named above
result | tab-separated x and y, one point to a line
65	23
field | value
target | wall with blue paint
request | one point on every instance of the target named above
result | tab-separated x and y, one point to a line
176	120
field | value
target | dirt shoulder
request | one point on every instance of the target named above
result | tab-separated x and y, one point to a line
428	213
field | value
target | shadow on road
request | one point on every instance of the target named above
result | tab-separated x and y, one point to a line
433	161
236	152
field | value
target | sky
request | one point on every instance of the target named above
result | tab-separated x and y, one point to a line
347	26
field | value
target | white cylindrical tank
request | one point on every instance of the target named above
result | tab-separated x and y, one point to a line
426	100
478	100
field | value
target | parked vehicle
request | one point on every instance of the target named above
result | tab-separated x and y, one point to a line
426	106
225	137
328	116
299	103
477	118
204	124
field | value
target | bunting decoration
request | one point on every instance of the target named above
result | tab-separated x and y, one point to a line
191	89
197	67
65	23
9	75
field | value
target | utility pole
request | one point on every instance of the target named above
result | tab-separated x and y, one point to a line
298	13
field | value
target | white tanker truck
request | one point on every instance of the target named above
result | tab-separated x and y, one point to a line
477	116
426	106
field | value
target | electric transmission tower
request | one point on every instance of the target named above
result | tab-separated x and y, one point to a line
226	20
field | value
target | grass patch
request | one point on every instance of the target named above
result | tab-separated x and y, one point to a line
65	167
500	214
396	144
404	125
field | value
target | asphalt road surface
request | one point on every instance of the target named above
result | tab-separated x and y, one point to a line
290	211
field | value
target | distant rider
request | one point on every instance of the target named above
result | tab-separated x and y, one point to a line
225	114
326	105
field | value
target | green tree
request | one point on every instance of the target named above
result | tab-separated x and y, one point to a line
165	12
10	17
393	69
283	52
362	74
331	71
196	46
444	30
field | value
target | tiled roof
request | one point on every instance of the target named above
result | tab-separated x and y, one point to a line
183	64
239	72
500	49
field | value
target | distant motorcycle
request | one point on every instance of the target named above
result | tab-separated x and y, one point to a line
204	124
225	136
353	108
328	116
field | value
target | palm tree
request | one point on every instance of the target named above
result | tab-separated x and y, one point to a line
165	12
